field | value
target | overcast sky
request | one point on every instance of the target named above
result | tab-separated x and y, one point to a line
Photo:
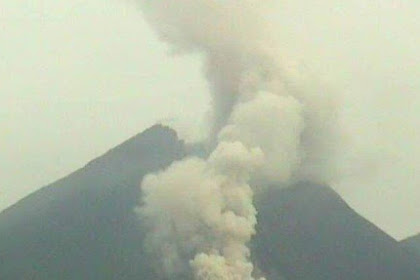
79	77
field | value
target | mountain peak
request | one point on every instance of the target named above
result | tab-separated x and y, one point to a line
156	137
84	227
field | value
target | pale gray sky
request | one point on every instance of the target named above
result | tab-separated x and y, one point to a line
79	77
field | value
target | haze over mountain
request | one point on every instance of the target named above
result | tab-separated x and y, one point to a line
88	74
84	226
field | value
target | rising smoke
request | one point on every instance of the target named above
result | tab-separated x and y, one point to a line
268	128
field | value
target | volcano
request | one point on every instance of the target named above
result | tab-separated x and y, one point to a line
84	226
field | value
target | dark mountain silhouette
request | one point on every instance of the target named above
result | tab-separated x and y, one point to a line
309	232
412	244
84	227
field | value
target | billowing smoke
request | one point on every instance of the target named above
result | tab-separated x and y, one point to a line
268	128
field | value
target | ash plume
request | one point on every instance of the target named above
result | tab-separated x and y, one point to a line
269	127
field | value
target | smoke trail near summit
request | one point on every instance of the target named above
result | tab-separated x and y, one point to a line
269	128
201	212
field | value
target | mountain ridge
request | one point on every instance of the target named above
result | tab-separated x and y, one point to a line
54	227
412	244
84	227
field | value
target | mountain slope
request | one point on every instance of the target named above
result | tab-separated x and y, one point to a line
412	244
309	232
84	227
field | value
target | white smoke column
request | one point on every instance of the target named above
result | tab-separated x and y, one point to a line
227	32
201	212
266	129
241	59
274	123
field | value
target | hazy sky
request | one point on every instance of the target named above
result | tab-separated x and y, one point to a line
79	77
